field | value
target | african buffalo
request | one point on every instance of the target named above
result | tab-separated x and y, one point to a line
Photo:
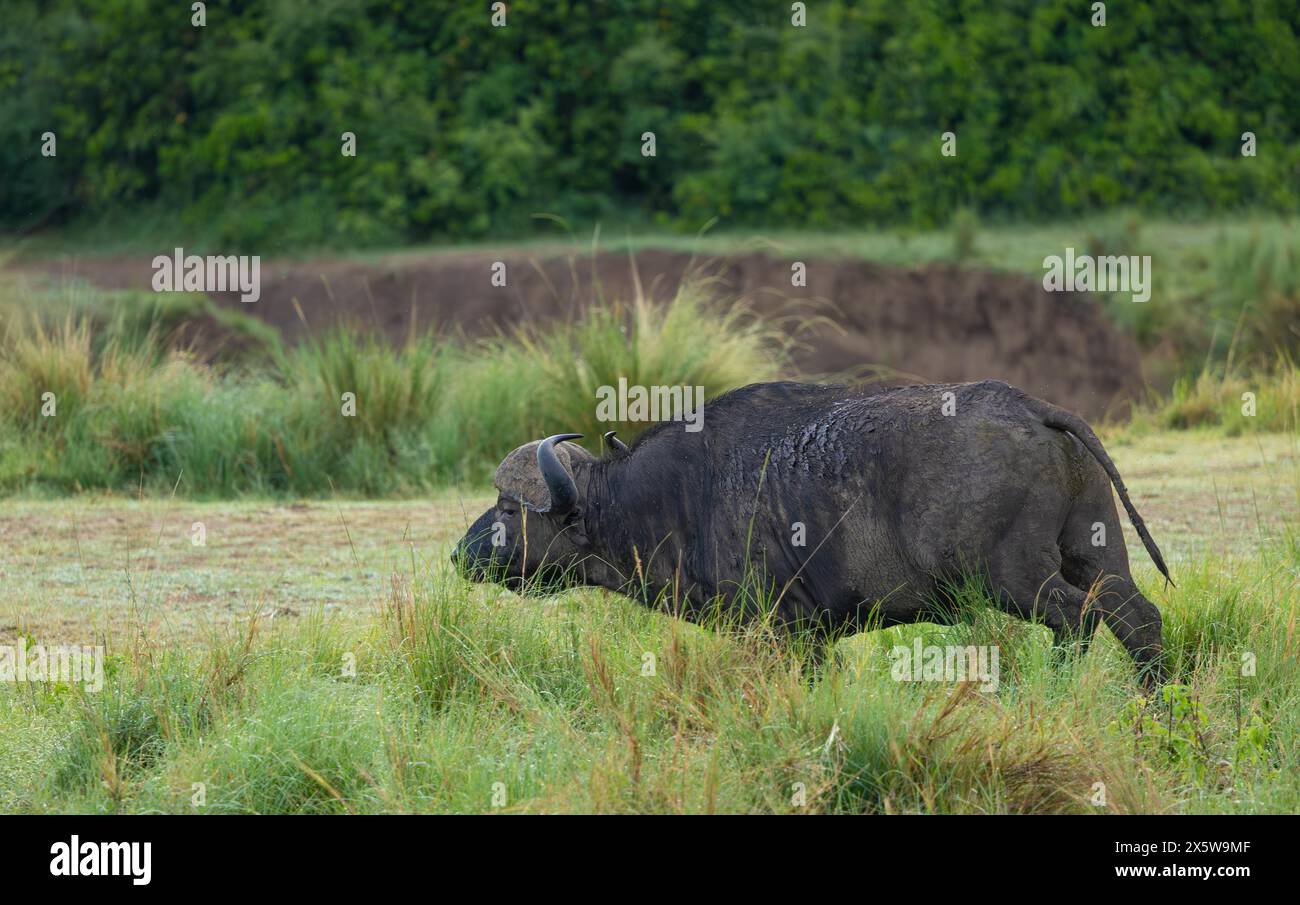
893	492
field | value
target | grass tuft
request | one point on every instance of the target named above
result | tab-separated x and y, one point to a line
342	412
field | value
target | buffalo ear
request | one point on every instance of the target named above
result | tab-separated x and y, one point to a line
614	443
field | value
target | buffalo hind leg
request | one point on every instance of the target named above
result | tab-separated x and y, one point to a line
1114	597
1063	608
1136	622
1073	616
1102	570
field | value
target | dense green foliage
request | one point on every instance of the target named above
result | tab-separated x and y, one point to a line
231	132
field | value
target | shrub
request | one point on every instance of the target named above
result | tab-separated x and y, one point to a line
464	129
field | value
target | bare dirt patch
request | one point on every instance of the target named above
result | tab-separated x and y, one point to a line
88	567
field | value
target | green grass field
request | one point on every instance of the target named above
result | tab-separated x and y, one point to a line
315	652
322	657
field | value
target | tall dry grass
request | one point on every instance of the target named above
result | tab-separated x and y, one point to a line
345	411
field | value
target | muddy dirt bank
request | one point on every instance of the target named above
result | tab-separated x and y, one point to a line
934	323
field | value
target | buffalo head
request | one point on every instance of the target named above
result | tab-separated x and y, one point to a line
533	537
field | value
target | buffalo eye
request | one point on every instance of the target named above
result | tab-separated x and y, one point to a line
506	508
